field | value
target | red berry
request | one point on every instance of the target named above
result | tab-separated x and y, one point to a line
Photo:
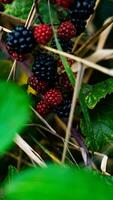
36	84
43	108
14	55
53	97
64	82
43	33
64	3
6	1
61	66
66	30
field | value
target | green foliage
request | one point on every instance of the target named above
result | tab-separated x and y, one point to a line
101	119
14	112
14	9
56	183
19	8
87	121
5	67
12	171
93	94
43	8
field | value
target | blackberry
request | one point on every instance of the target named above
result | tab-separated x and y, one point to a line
37	85
64	108
79	11
20	40
80	26
66	30
63	3
53	97
45	67
6	1
43	33
43	108
66	45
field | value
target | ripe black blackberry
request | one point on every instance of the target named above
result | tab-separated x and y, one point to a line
66	45
45	67
64	108
20	40
79	11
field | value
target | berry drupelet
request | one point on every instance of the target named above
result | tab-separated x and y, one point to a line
61	66
14	55
37	85
45	67
79	11
64	108
64	3
53	97
43	33
20	40
43	108
66	30
66	45
64	83
6	1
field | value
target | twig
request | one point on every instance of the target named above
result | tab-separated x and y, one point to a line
12	69
29	151
93	39
43	120
74	101
81	60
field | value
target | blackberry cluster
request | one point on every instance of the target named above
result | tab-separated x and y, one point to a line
20	40
79	11
54	87
45	67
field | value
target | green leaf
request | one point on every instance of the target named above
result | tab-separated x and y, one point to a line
60	183
93	94
15	10
101	119
5	67
14	112
43	8
86	120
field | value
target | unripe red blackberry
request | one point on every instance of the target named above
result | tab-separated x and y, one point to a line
45	67
66	30
61	66
14	55
43	108
38	85
20	40
64	83
64	3
43	33
6	1
53	97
